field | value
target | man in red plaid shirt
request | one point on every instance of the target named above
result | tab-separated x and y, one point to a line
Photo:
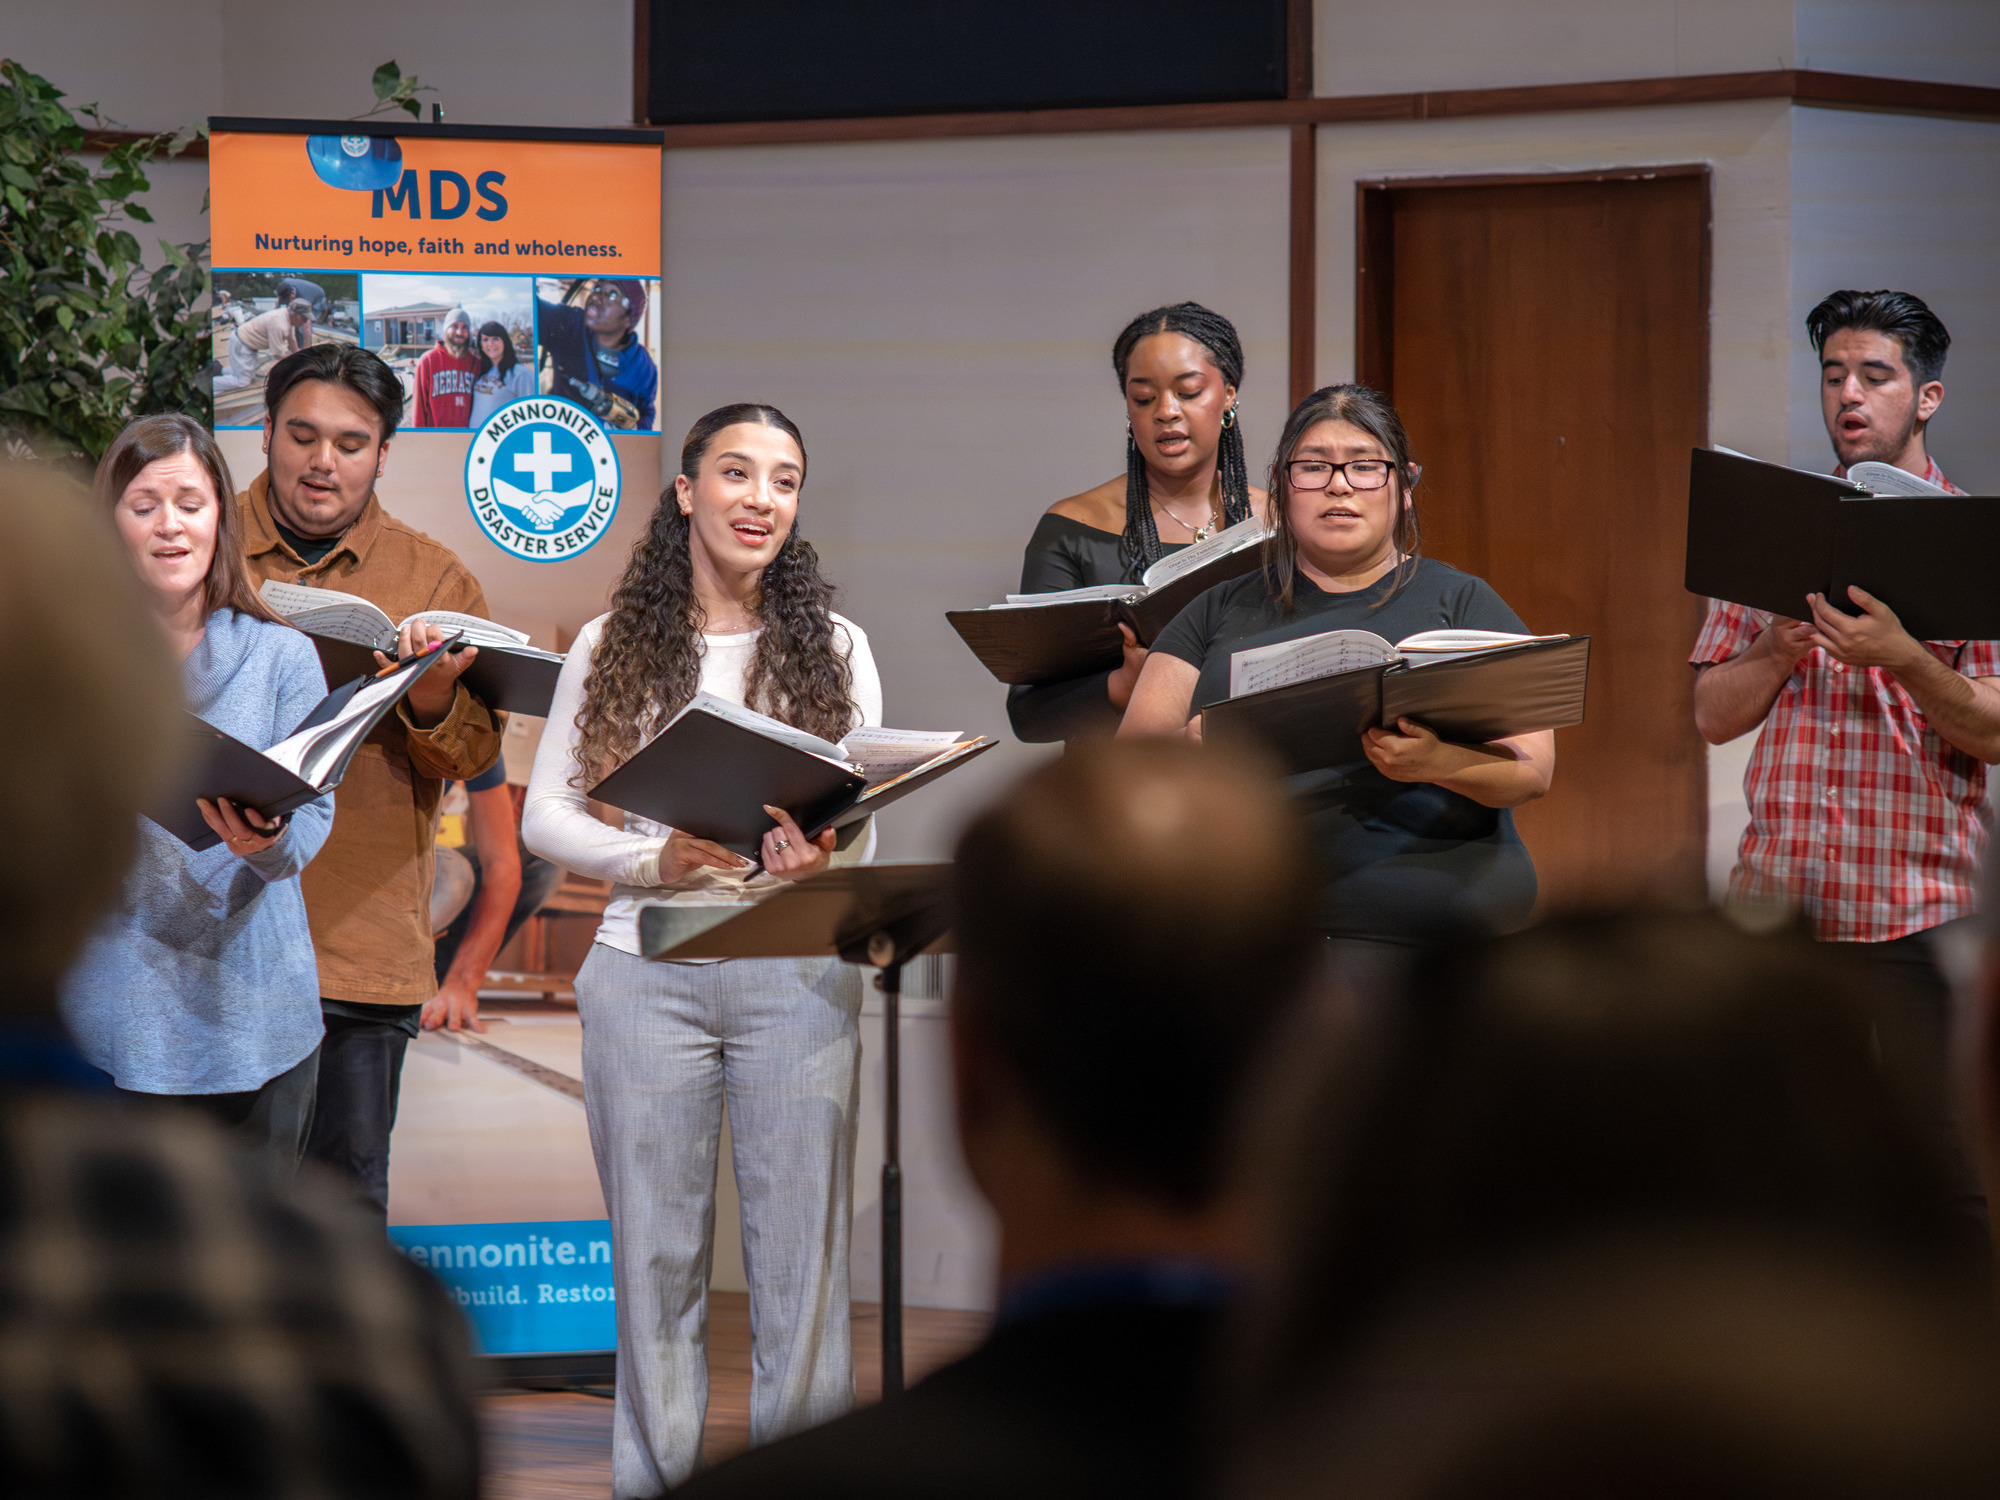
1867	788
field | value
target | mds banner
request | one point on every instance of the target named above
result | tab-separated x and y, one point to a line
510	278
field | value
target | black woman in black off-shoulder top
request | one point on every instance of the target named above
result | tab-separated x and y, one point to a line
1185	478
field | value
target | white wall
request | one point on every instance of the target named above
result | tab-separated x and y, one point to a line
1911	203
1363	47
156	65
1940	41
938	318
1368	48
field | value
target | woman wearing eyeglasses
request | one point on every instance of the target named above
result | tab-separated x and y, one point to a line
1416	840
1185	479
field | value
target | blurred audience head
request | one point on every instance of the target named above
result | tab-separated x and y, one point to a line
1131	921
1636	1074
1976	1037
181	1316
1681	1368
92	701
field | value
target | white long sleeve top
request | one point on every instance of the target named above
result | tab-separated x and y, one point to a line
556	821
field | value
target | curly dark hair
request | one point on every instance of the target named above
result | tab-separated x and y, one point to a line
1139	547
647	662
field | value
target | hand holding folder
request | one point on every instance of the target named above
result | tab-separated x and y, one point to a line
717	768
507	673
1033	638
1766	537
1310	701
307	764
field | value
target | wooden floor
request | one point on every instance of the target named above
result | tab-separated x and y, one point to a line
555	1445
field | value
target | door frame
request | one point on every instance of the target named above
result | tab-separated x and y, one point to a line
1374	294
1375	257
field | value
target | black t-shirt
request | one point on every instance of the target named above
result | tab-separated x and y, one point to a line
1401	862
1066	554
311	548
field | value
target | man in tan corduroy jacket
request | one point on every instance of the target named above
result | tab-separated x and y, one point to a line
312	517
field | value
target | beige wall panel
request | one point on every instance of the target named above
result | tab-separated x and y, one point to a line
938	318
1466	44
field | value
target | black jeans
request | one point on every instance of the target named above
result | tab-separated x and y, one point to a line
360	1080
275	1117
1912	1035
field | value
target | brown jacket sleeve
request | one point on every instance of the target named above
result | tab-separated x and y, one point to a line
465	741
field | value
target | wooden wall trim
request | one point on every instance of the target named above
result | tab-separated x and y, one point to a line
1801	86
642	60
1302	300
1836	90
1298	49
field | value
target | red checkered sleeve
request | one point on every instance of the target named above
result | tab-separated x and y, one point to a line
1980	659
1727	632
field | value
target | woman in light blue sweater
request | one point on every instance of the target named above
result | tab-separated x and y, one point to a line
201	983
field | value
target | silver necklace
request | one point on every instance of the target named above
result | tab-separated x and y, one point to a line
1200	534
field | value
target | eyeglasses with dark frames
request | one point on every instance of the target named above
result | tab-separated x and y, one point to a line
1317	473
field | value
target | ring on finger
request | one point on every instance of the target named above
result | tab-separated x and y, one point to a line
781	843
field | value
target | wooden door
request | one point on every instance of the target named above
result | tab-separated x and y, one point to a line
1546	342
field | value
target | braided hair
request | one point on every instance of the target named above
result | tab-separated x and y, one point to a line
1139	545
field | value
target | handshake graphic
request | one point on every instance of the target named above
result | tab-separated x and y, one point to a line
542	508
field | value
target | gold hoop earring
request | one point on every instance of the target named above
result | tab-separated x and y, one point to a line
1229	419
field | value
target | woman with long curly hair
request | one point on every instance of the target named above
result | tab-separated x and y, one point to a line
724	596
1185	478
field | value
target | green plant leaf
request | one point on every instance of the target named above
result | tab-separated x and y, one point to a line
388	78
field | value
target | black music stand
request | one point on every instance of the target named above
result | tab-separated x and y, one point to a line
878	915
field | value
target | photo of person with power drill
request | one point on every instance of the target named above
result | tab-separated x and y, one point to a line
594	349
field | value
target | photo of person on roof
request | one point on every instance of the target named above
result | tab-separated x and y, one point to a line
596	353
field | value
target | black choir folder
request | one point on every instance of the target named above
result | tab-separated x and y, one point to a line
346	630
713	768
307	764
1765	536
1046	637
1307	701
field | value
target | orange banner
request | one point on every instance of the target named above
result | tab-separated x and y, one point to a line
411	203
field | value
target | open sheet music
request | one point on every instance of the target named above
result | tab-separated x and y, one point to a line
1265	667
1308	701
308	763
1070	632
1765	536
509	674
716	765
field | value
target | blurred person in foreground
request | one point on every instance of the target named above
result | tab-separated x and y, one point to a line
1686	1368
1976	1038
181	1317
199	985
1132	921
1640	1077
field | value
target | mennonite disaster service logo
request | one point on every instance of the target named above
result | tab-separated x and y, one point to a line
542	478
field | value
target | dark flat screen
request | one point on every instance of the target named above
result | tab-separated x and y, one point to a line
807	59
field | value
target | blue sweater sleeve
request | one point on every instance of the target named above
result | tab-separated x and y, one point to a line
296	682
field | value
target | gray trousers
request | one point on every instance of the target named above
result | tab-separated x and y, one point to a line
662	1046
